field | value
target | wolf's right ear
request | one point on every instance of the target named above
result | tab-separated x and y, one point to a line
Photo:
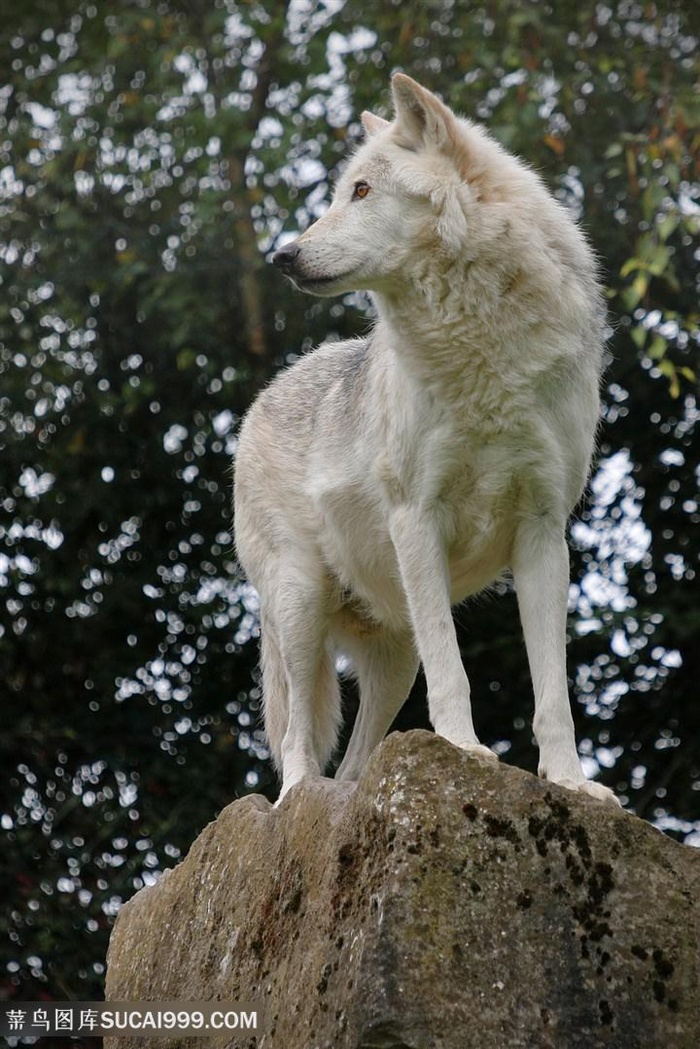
422	120
373	124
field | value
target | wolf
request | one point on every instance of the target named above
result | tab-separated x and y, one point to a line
380	481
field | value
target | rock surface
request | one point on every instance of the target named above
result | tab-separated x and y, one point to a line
443	903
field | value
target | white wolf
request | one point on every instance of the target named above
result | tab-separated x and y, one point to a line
381	480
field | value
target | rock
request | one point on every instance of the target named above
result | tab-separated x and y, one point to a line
444	902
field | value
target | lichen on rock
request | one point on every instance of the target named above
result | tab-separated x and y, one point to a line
442	903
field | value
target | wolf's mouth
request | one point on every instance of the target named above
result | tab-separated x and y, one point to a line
315	284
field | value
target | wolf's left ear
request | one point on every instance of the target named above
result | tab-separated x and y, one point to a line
373	124
421	118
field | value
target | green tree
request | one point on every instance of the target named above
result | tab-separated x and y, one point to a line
150	156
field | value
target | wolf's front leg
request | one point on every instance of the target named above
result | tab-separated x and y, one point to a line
425	578
541	574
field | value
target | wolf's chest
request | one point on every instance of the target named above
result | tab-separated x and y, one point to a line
457	471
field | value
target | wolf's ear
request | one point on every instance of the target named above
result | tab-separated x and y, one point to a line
372	124
421	118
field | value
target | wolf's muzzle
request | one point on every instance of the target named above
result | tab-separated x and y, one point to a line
286	257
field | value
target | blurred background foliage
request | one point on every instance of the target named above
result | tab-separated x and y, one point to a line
152	153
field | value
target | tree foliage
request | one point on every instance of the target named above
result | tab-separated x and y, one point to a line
151	154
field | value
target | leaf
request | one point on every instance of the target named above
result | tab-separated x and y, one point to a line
657	347
639	336
631	266
185	359
556	144
658	260
668	368
635	292
667	225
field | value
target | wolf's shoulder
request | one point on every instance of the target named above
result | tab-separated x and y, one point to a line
334	367
331	361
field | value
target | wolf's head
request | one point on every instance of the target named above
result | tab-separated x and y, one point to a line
411	190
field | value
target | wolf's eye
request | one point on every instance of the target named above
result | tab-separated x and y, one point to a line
361	191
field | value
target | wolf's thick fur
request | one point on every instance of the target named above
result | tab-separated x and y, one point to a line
380	481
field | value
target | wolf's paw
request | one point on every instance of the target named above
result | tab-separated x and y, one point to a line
282	795
288	784
478	750
310	779
594	790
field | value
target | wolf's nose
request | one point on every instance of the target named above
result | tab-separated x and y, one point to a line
285	258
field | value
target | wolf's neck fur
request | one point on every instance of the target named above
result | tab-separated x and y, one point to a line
475	321
441	327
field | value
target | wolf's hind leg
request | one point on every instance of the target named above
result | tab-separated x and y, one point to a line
386	664
275	691
303	735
